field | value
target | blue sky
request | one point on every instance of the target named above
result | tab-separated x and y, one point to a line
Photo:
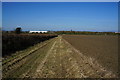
56	16
0	14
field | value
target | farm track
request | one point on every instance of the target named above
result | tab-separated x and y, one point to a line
55	58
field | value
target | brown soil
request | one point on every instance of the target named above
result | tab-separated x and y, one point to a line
103	48
55	58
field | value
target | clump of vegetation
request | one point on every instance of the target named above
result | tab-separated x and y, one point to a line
18	30
13	42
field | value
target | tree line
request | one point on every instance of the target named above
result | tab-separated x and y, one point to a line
86	33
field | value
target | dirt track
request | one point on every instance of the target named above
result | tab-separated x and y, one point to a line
56	59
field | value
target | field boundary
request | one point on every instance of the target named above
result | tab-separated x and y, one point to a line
92	62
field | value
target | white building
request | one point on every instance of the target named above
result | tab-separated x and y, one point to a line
38	31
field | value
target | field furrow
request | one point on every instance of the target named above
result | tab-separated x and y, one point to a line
56	59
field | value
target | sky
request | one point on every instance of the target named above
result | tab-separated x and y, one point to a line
57	16
0	15
60	0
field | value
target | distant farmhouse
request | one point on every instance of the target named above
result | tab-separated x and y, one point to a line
38	31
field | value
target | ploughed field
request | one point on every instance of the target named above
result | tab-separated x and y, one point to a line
64	57
101	48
